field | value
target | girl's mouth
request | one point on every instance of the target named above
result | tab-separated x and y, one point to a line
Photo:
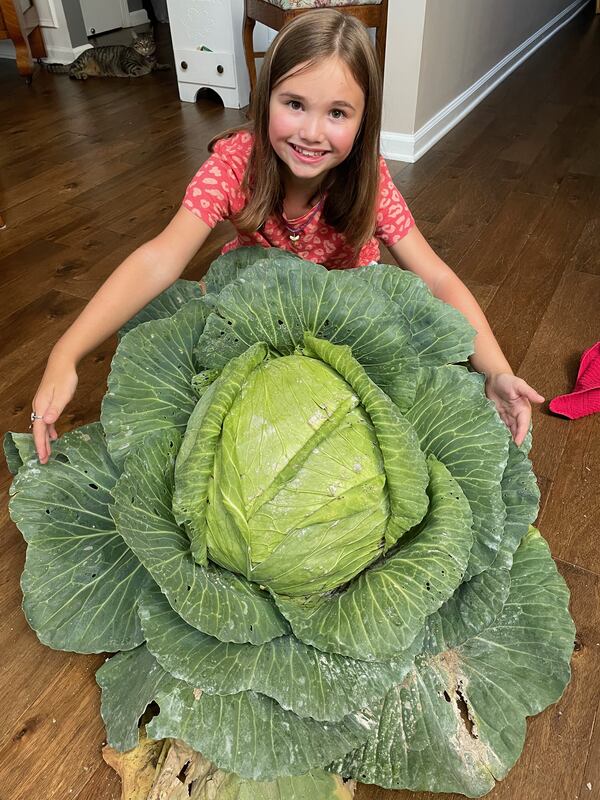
307	155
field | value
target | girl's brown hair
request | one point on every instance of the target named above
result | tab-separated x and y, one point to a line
352	186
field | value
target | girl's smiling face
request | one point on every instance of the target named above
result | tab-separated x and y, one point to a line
314	116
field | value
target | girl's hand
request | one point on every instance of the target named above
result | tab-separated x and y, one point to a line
512	397
54	392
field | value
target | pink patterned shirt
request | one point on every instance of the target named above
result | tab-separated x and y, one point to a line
215	194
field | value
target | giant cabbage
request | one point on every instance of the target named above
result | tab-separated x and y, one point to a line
307	532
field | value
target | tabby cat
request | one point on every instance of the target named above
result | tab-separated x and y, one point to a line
114	60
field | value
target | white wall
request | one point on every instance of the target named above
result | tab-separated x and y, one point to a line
406	23
464	39
444	56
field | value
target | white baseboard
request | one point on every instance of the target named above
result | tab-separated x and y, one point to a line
7	49
410	147
64	55
56	55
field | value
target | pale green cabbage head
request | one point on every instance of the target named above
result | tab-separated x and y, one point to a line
299	482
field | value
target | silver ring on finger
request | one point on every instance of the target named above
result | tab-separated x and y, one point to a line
35	416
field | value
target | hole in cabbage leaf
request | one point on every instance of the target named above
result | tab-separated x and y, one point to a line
229	322
428	586
280	322
446	697
462	706
151	711
93	485
183	774
62	458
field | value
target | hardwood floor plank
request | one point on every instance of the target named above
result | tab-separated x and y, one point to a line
438	198
38	320
124	180
58	262
532	132
62	721
569	326
103	783
484	293
80	173
570	516
522	299
411	179
586	255
560	151
17	265
19	234
494	253
473	212
590	782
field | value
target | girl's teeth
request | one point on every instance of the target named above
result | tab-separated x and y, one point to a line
309	153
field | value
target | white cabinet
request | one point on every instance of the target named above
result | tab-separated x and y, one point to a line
208	49
101	15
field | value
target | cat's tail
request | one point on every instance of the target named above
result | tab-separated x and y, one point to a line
57	67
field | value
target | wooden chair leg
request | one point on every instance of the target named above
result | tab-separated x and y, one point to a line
2	223
597	6
36	43
21	43
248	36
380	37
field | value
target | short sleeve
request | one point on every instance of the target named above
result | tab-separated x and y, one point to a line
394	219
213	190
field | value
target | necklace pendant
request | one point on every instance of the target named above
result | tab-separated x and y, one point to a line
294	237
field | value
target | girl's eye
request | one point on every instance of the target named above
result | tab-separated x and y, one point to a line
337	113
295	105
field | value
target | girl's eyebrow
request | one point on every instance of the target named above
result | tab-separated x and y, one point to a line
299	98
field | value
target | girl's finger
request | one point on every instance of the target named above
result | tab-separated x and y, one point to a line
523	419
527	391
52	413
39	440
534	396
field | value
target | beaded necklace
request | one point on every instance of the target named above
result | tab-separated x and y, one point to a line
301	223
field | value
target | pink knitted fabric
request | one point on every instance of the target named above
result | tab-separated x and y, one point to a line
585	397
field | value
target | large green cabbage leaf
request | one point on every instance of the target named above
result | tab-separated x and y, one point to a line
307	532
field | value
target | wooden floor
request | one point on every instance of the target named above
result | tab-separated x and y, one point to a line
510	198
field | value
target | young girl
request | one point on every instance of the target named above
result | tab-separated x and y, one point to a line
306	176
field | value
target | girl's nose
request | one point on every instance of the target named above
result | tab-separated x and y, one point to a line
312	130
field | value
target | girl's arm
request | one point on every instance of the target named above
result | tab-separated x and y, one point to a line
143	275
512	396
